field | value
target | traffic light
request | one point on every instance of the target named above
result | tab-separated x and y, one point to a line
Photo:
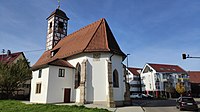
184	56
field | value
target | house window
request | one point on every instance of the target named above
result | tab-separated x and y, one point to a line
115	79
61	73
77	76
38	88
40	74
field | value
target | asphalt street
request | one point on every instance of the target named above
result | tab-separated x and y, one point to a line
160	105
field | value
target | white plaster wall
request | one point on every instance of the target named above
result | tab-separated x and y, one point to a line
73	61
41	97
148	79
58	84
96	76
118	93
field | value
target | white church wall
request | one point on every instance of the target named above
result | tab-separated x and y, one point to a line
96	76
39	97
73	61
119	91
58	84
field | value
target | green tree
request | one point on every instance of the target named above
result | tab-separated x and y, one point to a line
13	75
170	89
180	88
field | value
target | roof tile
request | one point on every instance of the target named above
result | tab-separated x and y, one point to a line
95	37
167	68
194	76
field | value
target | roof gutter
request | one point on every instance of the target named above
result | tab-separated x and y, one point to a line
111	56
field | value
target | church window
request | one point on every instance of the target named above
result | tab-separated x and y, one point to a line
40	74
115	78
38	87
77	76
61	73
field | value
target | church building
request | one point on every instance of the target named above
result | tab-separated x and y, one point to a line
82	67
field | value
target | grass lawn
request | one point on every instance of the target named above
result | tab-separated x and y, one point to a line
17	106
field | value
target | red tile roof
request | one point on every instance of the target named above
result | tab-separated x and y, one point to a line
134	71
167	68
9	58
194	76
96	37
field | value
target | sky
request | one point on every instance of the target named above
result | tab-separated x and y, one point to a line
151	31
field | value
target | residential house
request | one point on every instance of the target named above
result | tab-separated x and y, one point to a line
161	79
194	78
9	58
134	79
83	67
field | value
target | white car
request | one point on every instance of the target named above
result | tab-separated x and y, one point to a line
135	95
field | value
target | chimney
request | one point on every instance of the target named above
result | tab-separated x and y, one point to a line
8	52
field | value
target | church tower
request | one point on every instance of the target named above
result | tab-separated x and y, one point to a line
57	28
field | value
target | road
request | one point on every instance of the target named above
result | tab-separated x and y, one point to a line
160	105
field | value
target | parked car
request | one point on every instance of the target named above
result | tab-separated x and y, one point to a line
144	96
135	95
149	96
139	96
186	103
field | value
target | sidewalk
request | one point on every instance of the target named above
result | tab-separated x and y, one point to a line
118	109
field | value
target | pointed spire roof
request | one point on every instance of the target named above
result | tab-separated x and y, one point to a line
96	37
59	13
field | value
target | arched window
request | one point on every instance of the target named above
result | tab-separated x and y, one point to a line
77	75
115	78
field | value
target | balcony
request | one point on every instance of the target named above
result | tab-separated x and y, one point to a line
183	79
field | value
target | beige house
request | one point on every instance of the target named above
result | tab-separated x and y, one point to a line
10	58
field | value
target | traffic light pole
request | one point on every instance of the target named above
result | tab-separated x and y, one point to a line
185	57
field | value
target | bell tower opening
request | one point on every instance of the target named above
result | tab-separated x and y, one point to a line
57	28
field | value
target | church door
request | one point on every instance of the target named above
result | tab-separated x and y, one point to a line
67	95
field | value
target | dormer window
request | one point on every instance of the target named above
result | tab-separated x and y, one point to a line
53	53
161	68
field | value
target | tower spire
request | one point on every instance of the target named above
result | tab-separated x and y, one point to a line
57	27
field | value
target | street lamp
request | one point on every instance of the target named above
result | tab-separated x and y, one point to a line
127	66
